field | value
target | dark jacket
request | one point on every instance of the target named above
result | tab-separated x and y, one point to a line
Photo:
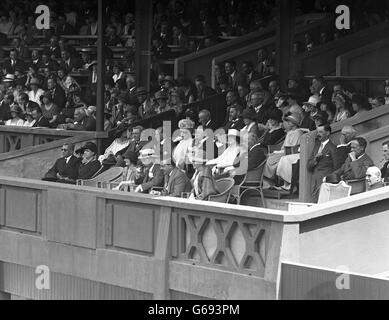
321	167
272	138
237	124
385	172
11	68
342	152
177	183
66	170
256	156
351	170
87	124
87	171
59	97
4	111
155	180
41	122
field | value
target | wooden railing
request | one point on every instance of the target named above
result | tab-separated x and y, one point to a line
137	246
17	138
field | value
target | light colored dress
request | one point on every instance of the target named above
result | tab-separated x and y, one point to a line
15	122
292	139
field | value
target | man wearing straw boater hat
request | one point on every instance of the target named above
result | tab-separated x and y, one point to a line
154	177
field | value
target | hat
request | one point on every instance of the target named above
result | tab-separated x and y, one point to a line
140	91
233	132
9	78
332	178
275	114
313	101
161	95
35	81
249	114
147	153
168	79
294	118
16	108
186	124
88	146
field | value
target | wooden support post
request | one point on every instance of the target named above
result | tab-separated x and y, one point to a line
143	32
285	34
100	73
163	255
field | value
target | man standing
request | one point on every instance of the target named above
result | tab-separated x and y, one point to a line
65	169
323	160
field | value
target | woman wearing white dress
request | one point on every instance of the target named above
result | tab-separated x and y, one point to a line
342	112
16	119
182	150
36	92
292	139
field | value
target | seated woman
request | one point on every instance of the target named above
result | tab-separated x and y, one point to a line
89	164
120	143
342	107
203	182
49	109
275	131
16	113
66	81
292	139
225	162
181	151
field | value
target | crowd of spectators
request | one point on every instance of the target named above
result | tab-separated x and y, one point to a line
38	90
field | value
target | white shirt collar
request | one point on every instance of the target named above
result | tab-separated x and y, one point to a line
325	143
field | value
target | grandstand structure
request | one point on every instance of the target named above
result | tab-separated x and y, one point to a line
89	241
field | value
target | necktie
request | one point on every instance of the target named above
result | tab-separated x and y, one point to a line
321	148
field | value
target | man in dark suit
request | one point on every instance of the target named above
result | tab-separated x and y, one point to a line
65	169
249	72
27	104
254	156
385	167
40	120
54	50
176	181
261	109
13	62
323	160
205	120
348	133
234	119
135	145
154	177
68	62
57	93
202	90
318	87
5	111
356	163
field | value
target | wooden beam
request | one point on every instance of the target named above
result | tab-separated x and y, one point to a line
143	33
285	35
100	69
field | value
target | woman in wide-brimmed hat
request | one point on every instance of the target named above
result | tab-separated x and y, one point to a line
278	162
16	117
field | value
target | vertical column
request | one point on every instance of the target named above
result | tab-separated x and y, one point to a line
285	34
100	71
143	32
